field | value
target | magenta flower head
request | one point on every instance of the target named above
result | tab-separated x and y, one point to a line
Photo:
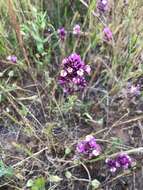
124	160
12	58
108	35
88	147
62	33
76	29
102	6
73	73
121	161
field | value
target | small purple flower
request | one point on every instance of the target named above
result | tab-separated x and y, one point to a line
76	29
108	36
102	6
80	147
89	147
62	33
12	58
75	58
124	160
91	140
73	73
112	165
133	90
88	69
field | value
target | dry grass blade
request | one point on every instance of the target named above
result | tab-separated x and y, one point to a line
16	26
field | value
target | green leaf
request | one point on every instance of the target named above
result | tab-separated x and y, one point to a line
40	47
68	174
24	110
39	184
95	184
67	151
55	178
11	73
5	171
29	183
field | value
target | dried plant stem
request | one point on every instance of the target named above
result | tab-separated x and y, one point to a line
132	151
93	12
16	26
28	158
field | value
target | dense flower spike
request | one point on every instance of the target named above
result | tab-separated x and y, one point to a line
76	29
12	58
102	6
62	33
122	160
73	72
89	147
108	36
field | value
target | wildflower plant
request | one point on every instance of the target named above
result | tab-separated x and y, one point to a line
62	33
50	123
121	161
88	147
73	74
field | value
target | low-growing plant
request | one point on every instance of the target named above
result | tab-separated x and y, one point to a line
71	94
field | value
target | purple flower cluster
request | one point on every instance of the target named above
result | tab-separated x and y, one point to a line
88	147
121	161
12	58
62	33
102	6
72	74
108	36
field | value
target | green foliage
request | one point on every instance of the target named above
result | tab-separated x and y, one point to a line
34	29
5	171
68	175
68	106
5	89
55	178
2	47
23	110
37	184
67	151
